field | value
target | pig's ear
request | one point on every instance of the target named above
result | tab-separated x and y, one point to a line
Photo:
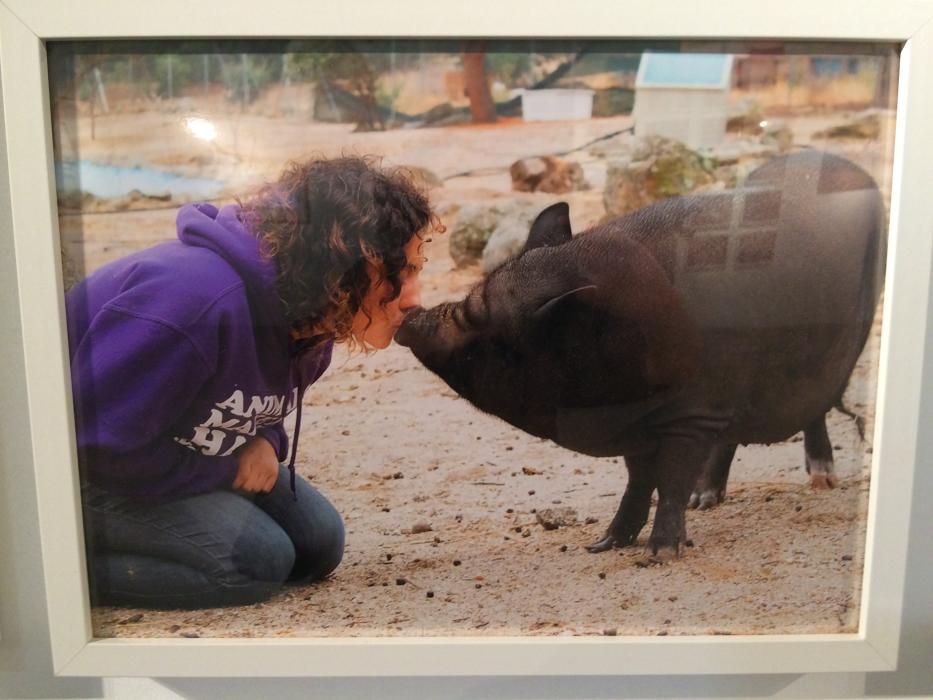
582	293
552	227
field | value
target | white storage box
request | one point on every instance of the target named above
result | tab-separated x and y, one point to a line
553	104
683	97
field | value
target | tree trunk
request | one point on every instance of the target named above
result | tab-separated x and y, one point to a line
476	84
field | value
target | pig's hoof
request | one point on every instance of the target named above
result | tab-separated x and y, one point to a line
704	500
603	545
823	481
660	555
663	550
821	473
609	541
646	560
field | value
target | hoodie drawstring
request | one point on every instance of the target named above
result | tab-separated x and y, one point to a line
291	461
301	378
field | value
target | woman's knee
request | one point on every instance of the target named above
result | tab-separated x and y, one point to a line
318	536
328	545
314	525
262	554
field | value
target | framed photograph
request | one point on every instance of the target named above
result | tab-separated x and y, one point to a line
774	169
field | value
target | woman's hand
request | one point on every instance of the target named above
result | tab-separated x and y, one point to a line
258	467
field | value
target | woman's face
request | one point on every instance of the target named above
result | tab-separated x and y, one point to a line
375	323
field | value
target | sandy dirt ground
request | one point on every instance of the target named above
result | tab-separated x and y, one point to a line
443	504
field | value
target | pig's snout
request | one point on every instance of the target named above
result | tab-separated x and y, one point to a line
432	332
417	324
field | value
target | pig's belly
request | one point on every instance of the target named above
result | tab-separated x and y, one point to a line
751	388
637	427
604	431
775	382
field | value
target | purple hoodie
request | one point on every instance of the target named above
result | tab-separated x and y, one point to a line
180	353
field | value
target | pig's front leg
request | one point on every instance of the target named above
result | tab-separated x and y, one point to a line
633	510
678	464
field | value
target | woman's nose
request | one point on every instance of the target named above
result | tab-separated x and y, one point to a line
411	294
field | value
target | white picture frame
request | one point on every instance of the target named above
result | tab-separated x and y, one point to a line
25	26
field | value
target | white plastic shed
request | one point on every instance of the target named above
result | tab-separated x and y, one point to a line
683	96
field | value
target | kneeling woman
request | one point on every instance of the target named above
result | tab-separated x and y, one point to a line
187	356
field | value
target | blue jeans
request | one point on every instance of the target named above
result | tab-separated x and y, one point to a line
214	549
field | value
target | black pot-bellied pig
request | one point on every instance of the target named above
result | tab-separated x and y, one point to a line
677	332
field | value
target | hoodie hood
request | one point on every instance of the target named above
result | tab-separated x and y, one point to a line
203	225
180	354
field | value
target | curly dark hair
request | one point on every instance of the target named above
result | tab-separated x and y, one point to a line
325	222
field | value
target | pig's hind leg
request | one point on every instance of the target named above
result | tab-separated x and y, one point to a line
710	489
632	514
819	455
